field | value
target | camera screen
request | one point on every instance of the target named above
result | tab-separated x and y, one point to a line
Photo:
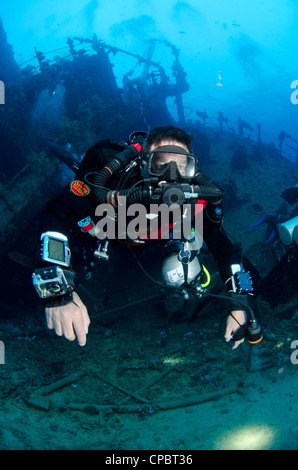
56	249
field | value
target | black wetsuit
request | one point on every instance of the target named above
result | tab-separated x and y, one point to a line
77	201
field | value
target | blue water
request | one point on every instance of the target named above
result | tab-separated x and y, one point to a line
240	58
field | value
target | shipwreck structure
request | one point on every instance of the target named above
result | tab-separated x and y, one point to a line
75	98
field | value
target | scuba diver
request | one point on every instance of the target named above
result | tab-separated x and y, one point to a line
290	195
274	261
275	220
280	284
152	171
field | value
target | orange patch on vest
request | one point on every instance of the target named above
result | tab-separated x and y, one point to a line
79	188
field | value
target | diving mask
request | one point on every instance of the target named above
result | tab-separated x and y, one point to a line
172	163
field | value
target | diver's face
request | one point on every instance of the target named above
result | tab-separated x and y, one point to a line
167	158
164	158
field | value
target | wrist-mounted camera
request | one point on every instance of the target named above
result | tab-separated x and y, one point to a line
54	282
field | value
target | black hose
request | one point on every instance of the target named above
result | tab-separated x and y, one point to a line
102	177
206	187
120	161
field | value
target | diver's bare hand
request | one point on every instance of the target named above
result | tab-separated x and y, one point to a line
233	325
71	320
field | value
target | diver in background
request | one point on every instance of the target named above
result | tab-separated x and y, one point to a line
280	284
157	167
290	195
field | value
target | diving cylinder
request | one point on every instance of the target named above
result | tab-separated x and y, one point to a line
173	271
286	231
